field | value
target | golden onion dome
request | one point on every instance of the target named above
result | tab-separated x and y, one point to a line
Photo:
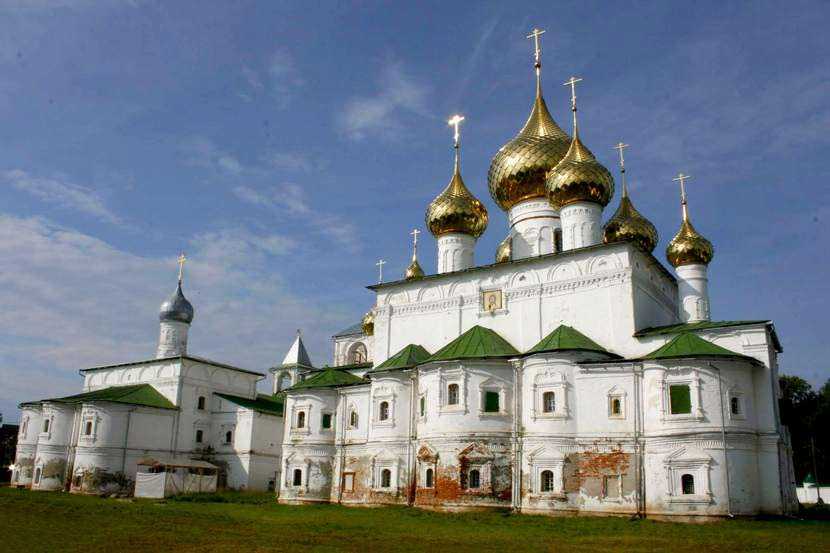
579	177
689	247
504	252
517	171
368	323
628	224
414	270
456	210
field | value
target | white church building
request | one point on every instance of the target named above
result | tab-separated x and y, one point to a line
577	373
172	408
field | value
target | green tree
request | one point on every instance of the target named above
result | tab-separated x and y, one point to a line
807	415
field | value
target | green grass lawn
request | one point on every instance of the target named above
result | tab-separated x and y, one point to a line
245	523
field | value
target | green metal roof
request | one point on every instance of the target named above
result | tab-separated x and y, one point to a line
407	358
691	345
264	403
136	394
476	343
352	367
567	338
328	378
688	327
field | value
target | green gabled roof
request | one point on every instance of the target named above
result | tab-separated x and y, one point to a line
264	403
328	378
136	394
691	345
476	343
566	338
407	358
689	327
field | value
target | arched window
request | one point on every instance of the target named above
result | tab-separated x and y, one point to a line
384	410
452	394
301	419
283	382
200	403
557	240
546	481
687	483
199	436
298	477
353	419
616	406
229	437
429	478
88	428
385	478
474	479
549	402
357	354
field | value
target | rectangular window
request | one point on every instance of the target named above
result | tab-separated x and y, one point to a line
491	402
46	425
680	399
735	405
423	405
199	436
88	428
326	420
611	487
348	481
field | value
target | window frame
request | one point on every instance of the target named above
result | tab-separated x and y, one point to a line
201	403
326	416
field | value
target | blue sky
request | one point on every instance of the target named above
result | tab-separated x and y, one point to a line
287	146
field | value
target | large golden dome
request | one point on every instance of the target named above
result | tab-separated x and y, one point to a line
688	246
517	171
456	210
579	177
628	224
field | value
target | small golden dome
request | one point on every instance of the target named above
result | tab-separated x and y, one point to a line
456	210
517	171
368	323
628	224
689	247
579	177
504	252
414	270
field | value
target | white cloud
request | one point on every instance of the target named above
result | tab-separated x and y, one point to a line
290	199
289	161
200	151
62	193
380	113
73	301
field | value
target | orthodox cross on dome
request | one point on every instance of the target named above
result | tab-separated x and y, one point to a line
455	122
181	260
572	83
380	265
537	52
415	233
682	179
620	147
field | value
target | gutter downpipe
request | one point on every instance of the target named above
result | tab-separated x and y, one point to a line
638	448
723	438
517	446
341	421
410	442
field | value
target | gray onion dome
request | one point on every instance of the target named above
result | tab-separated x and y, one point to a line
176	308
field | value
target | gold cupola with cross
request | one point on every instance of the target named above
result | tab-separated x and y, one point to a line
455	210
517	171
688	247
579	177
627	224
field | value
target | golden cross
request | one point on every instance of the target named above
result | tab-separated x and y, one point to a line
181	259
454	122
572	83
380	265
621	147
415	232
682	178
535	34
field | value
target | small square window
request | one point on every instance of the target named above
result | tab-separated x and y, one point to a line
680	399
491	402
